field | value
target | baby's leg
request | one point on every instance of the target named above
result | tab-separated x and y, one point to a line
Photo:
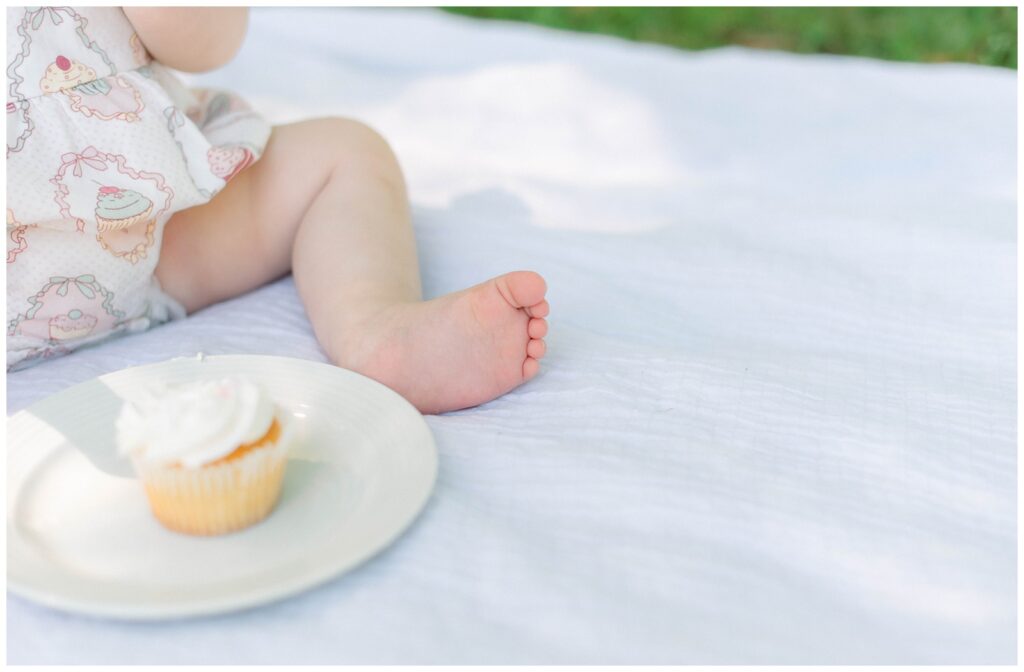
327	200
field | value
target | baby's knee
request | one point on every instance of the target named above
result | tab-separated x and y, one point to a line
350	135
341	147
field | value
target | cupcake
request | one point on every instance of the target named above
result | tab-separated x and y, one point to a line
64	73
211	454
73	324
118	208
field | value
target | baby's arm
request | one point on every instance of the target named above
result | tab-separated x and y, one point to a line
191	39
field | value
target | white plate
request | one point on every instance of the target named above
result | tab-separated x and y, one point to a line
80	535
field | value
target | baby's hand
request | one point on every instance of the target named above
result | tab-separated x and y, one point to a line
191	39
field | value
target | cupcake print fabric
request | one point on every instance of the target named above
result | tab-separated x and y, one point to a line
103	146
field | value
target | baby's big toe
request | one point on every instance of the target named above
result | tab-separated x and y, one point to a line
522	289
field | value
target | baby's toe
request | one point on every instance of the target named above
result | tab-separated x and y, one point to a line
522	288
540	309
530	368
537	328
536	348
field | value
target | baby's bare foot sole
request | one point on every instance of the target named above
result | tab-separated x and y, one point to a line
458	350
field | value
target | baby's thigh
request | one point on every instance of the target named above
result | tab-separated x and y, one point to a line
242	238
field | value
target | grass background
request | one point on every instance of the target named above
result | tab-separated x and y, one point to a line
985	35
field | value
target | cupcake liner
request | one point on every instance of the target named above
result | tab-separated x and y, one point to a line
218	498
104	225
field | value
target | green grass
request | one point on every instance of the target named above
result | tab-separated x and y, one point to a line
986	35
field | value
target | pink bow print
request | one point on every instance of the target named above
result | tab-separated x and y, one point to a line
90	156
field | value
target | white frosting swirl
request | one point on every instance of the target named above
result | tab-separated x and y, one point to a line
196	423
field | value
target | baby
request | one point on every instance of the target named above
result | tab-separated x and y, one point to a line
133	200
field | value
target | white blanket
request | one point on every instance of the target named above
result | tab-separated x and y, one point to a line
776	423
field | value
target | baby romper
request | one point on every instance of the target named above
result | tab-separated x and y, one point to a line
103	146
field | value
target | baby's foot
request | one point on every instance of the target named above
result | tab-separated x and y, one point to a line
458	350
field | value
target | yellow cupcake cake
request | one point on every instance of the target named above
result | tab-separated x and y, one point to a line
211	454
